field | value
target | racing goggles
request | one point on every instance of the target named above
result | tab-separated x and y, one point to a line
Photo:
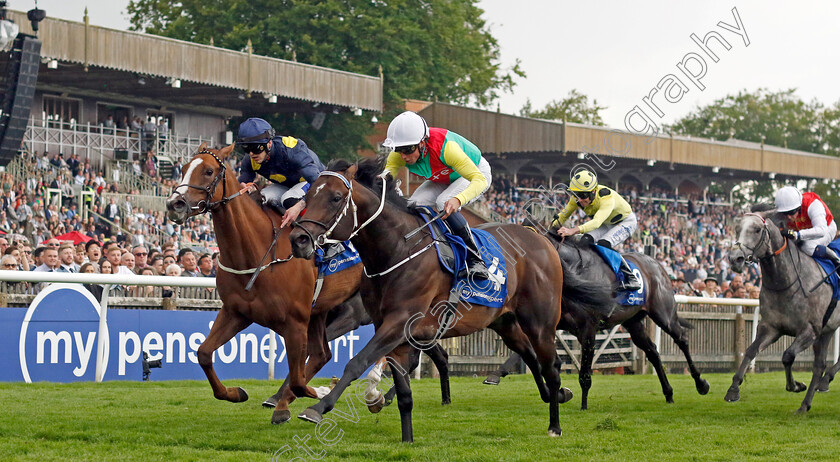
254	148
406	150
583	195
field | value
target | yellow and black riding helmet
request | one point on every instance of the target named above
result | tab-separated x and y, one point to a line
583	184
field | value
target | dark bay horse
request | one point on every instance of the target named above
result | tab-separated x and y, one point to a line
248	235
787	305
583	322
408	302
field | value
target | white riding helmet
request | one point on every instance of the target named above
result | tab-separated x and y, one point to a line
788	198
407	129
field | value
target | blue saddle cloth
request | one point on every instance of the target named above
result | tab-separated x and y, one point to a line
491	292
338	262
613	259
828	267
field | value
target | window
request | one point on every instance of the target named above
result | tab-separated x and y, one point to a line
60	109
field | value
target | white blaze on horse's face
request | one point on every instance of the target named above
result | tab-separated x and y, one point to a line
186	179
318	189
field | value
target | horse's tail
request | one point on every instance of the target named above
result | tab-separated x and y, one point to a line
685	323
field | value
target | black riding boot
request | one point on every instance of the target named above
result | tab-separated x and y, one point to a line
631	282
475	265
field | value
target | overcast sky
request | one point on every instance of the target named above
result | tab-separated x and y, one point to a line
617	52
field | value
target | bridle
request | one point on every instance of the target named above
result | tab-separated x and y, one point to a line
765	236
207	205
324	238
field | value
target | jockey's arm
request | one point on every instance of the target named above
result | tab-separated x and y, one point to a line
246	171
816	212
607	204
394	164
567	212
457	159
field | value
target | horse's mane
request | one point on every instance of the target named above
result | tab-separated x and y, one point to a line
771	213
368	172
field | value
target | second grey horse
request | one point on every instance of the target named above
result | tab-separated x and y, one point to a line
787	305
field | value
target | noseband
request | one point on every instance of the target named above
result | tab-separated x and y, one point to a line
765	235
324	238
207	205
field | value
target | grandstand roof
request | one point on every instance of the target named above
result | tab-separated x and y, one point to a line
538	143
98	59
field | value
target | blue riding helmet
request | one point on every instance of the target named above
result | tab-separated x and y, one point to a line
255	130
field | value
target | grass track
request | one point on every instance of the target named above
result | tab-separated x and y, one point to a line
628	420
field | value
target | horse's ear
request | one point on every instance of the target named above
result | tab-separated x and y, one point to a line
202	147
224	153
350	173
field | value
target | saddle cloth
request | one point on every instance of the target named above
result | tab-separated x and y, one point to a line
828	267
452	257
339	257
613	259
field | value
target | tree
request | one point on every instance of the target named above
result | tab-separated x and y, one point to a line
428	49
573	108
779	118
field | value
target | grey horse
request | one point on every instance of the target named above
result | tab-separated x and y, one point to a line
788	307
584	322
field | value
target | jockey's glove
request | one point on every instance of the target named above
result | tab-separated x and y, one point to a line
791	234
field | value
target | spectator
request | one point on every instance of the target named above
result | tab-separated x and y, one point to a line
114	255
50	258
127	260
205	266
157	264
4	244
95	289
8	263
66	255
141	254
172	270
190	265
93	251
105	266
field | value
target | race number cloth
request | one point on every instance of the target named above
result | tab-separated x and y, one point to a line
337	262
828	267
491	292
613	259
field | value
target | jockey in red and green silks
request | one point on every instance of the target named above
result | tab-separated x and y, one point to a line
455	172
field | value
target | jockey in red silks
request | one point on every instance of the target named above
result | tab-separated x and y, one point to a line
808	220
456	174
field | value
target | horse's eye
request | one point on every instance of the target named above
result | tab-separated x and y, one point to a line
208	172
336	197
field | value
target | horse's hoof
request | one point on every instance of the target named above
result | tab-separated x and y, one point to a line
492	380
446	402
243	395
566	395
270	402
823	386
669	399
703	386
280	417
732	395
803	409
310	415
555	432
798	387
377	406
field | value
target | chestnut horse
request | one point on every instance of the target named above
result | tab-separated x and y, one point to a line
249	237
405	301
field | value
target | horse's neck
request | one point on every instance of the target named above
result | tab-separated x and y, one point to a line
244	232
384	236
780	268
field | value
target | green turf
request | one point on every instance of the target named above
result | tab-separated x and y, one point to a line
628	419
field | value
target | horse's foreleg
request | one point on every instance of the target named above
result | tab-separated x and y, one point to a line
820	347
506	368
543	341
400	370
517	341
800	343
226	325
636	327
386	338
765	336
319	354
441	360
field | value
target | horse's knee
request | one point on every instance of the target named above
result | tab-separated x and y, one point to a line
788	358
205	357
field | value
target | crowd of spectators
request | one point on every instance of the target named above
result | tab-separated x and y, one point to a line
690	236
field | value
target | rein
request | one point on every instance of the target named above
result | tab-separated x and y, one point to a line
765	235
207	205
324	238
